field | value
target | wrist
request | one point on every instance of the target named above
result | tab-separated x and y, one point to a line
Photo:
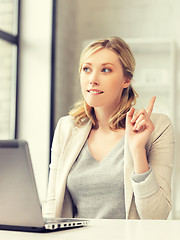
138	150
140	161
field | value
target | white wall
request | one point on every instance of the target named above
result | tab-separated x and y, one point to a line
34	84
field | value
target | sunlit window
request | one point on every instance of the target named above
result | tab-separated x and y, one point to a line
8	67
9	16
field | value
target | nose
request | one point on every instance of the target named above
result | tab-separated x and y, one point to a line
94	79
94	83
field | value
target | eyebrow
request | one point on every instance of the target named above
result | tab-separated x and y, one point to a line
101	64
108	64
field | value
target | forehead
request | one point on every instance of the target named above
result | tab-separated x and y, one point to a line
103	56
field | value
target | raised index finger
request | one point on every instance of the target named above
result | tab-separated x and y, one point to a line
150	106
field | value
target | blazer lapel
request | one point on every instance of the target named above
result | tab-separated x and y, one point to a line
75	145
128	168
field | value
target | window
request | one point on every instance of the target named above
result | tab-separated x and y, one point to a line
9	38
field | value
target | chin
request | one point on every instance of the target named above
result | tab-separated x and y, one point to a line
94	104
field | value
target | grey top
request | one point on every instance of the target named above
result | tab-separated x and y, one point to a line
97	188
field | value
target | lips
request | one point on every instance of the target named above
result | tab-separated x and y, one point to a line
95	91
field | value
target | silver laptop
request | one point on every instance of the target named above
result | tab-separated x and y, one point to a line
20	208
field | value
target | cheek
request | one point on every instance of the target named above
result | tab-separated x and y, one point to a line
116	84
117	88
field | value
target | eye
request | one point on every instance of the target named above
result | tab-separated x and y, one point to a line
106	70
86	69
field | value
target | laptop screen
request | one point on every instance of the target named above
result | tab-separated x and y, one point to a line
19	203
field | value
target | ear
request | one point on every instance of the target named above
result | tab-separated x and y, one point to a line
127	82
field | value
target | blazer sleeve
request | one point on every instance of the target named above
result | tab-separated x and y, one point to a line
153	195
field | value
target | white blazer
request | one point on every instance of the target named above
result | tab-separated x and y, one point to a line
150	199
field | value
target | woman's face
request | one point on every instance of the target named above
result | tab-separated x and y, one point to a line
102	79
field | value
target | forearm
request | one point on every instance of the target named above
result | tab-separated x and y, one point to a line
140	161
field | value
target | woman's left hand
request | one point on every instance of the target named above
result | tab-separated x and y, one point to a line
139	126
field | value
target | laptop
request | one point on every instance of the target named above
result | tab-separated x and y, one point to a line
20	208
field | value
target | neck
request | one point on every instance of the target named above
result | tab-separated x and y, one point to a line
102	117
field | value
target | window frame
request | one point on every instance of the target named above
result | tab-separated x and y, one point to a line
14	40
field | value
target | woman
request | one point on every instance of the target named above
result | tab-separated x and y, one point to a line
107	160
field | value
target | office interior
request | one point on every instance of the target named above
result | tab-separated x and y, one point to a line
40	46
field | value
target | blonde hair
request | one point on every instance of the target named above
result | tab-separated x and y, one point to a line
81	111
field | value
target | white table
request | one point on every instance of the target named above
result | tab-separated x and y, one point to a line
108	230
